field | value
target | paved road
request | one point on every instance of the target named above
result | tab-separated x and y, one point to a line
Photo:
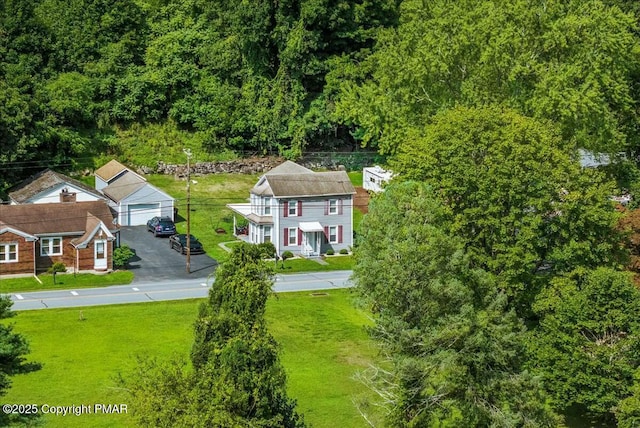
166	290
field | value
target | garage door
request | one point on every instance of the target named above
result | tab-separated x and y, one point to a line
139	213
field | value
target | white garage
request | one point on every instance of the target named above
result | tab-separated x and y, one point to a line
140	213
135	200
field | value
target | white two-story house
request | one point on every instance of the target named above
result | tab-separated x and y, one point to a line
299	210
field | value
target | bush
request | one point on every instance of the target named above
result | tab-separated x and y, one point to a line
330	252
287	255
344	251
267	249
122	255
55	268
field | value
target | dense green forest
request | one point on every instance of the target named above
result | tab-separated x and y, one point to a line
245	76
285	77
495	266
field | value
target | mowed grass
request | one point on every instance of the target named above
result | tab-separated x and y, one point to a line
305	265
209	197
82	358
324	344
356	177
65	281
322	337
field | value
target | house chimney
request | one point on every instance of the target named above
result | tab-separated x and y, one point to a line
66	196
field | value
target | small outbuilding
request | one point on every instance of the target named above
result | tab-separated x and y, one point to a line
374	178
131	196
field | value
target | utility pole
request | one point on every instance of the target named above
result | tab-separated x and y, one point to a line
188	153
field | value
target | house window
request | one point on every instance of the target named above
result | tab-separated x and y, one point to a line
293	236
293	209
267	234
51	246
267	206
100	250
8	253
333	234
333	206
253	233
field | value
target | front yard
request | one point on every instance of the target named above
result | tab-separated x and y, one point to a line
209	215
209	197
323	339
64	281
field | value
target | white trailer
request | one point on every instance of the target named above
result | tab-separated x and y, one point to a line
374	178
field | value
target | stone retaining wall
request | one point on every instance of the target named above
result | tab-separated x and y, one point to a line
258	165
239	166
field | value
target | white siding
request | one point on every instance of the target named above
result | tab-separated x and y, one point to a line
158	204
100	183
53	195
374	178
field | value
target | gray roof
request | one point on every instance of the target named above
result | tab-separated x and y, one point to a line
42	181
123	186
110	170
288	167
292	180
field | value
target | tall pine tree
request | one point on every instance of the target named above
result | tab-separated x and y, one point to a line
237	379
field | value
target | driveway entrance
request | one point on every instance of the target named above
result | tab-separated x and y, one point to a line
155	260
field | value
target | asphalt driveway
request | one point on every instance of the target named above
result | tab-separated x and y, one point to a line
156	261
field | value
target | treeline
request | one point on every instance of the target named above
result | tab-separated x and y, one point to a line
496	267
266	76
243	75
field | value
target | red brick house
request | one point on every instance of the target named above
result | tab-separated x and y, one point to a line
34	236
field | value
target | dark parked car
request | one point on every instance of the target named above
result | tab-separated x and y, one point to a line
161	226
179	243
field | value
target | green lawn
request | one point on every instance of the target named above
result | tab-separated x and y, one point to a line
306	265
66	281
356	177
322	337
209	197
324	344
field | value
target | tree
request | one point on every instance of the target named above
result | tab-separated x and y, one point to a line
237	379
55	268
628	410
455	350
13	349
523	207
573	63
587	345
629	223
